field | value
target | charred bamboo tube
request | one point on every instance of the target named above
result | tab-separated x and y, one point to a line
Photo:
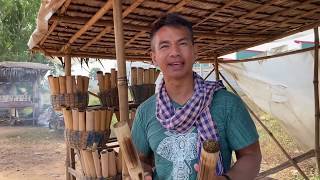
112	169
152	75
75	120
82	121
146	76
97	164
133	76
129	153
79	84
140	76
107	81
74	84
103	116
97	120
104	163
108	119
113	78
208	160
55	85
89	120
89	163
67	116
85	81
69	84
62	85
119	162
101	82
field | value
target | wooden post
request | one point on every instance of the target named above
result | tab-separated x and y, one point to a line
316	96
216	68
121	62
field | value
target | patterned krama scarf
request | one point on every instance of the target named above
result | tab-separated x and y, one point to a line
195	112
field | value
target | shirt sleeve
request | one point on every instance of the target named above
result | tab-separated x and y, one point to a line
241	131
139	134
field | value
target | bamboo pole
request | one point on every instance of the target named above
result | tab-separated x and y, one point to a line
129	153
104	163
97	120
122	77
140	76
69	84
79	84
75	119
62	84
55	85
103	118
113	78
146	76
152	75
316	96
108	119
268	131
89	120
112	169
101	82
208	160
82	121
89	163
67	116
97	164
107	81
133	76
85	87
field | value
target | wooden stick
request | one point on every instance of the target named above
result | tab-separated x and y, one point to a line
69	84
152	75
82	121
107	81
129	153
89	163
103	118
97	120
140	76
112	163
208	160
109	118
67	116
101	82
89	120
75	119
97	165
62	85
113	78
146	76
85	87
104	163
133	76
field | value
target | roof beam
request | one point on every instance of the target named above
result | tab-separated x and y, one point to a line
94	19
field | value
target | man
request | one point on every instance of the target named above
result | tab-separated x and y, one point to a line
170	127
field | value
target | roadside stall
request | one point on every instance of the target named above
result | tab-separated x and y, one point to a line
120	30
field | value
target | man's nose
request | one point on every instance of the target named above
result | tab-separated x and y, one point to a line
175	50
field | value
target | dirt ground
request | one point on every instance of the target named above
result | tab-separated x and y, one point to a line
34	153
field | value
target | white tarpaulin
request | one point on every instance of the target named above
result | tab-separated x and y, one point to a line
282	86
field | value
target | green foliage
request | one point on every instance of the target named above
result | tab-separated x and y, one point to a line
17	22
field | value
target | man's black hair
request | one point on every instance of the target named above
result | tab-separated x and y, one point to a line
174	20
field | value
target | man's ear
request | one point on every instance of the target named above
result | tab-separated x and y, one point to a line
153	58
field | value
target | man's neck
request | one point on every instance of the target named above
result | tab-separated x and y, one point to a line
180	91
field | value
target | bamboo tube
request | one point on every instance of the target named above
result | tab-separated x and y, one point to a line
112	169
89	120
75	119
67	116
208	160
89	163
55	85
74	84
97	120
81	162
133	76
146	76
140	76
109	118
51	83
103	116
69	84
84	163
85	81
119	162
113	78
104	163
82	121
129	153
97	165
101	82
79	84
107	81
62	85
152	75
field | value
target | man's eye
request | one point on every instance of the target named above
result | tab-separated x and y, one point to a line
164	46
183	43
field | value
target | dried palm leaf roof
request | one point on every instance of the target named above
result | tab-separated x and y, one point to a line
85	28
21	71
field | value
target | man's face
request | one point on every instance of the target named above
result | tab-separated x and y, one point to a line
173	52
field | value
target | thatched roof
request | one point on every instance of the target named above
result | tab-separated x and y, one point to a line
221	26
21	71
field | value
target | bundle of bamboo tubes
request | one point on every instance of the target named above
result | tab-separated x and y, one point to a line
100	165
108	88
87	129
69	91
208	160
143	83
